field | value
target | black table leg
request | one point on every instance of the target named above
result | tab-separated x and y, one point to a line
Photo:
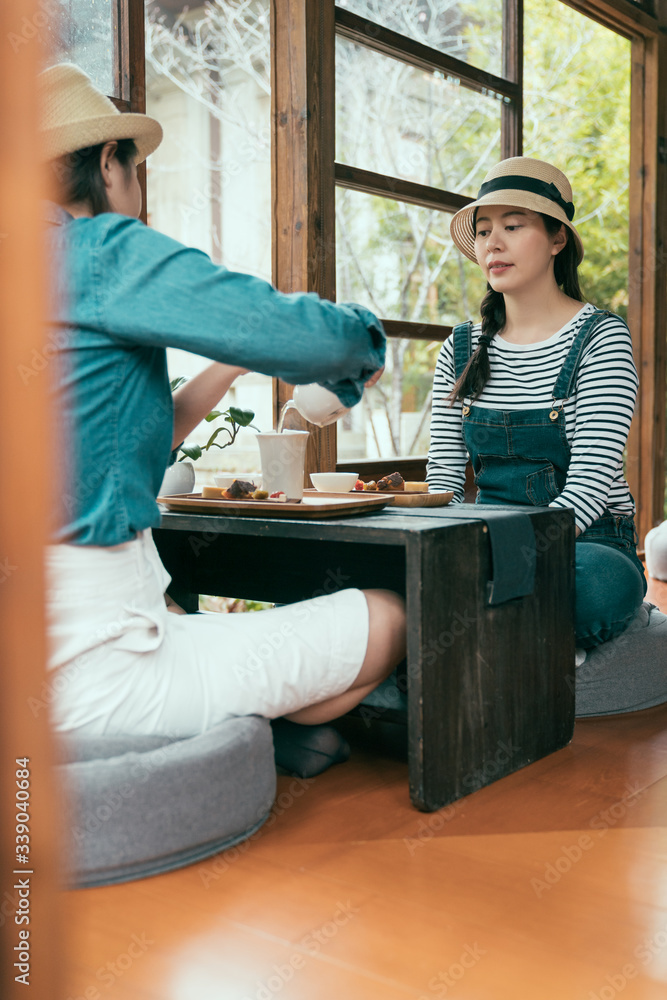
488	687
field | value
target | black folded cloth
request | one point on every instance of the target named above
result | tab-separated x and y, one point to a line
305	751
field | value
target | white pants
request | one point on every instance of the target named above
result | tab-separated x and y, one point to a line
121	663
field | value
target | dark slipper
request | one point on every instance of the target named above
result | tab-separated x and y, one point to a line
307	750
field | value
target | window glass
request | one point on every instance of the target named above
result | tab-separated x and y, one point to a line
85	32
399	260
577	115
209	183
402	121
469	30
394	415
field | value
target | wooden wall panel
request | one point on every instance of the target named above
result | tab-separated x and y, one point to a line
302	173
134	72
28	467
647	313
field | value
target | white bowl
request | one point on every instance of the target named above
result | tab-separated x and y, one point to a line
225	479
334	482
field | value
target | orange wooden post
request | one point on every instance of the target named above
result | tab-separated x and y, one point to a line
27	463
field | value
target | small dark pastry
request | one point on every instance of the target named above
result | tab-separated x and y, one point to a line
394	481
239	490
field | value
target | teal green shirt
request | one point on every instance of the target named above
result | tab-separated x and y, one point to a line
126	293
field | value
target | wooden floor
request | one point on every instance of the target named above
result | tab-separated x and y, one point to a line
550	884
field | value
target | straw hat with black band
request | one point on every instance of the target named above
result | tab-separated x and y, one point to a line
76	115
519	182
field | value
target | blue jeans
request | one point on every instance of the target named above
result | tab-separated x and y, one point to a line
609	580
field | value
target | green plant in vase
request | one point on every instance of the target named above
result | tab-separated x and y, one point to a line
234	416
180	478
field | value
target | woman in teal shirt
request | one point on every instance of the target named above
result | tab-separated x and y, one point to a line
125	294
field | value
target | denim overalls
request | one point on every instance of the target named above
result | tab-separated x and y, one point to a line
522	457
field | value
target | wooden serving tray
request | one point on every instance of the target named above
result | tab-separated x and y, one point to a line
321	505
397	498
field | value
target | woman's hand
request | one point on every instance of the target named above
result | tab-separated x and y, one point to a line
375	378
199	395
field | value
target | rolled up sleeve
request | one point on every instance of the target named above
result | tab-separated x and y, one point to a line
154	291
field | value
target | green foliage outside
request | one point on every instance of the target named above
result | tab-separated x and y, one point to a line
577	115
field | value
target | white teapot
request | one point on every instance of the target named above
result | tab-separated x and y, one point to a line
317	405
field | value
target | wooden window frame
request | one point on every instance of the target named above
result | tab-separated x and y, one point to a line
305	176
130	70
304	171
389	43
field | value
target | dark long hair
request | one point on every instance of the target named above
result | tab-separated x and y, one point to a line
80	176
477	372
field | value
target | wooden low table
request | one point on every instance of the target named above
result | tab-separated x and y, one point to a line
489	688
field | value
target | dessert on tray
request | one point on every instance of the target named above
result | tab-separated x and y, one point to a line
242	490
393	483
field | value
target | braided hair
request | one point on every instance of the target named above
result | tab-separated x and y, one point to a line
477	372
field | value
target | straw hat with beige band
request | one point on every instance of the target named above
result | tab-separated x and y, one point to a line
519	182
76	115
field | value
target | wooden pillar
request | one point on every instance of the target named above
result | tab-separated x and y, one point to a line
133	72
302	172
25	501
511	119
647	312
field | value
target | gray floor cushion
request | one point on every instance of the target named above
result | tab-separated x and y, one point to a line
630	672
143	805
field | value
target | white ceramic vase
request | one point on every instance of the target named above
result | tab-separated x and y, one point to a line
179	478
656	552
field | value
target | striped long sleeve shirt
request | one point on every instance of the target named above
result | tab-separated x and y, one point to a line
598	414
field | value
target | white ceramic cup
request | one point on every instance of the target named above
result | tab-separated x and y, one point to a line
318	405
283	458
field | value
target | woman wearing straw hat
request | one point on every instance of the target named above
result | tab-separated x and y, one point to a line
540	395
125	665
